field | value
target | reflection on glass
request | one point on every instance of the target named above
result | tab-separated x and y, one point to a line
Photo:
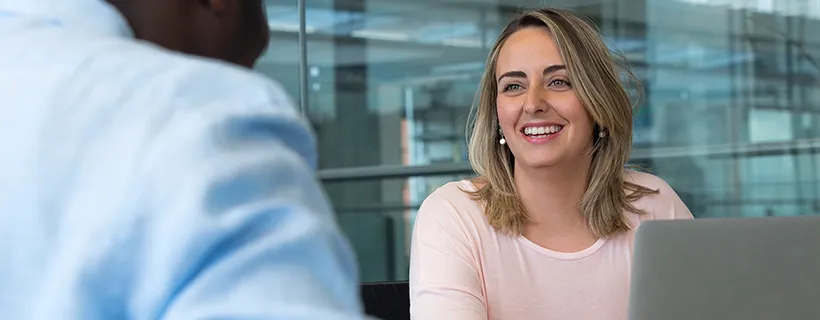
730	115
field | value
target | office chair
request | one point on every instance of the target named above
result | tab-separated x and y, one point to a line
387	300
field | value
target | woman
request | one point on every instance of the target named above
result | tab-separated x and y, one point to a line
546	230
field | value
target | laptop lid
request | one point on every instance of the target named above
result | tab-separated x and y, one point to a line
723	269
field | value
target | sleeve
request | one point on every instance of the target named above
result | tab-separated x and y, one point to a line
677	209
239	227
445	282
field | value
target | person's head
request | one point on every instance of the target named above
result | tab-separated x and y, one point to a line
230	30
552	92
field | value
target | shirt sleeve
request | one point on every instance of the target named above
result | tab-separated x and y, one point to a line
445	282
677	209
239	227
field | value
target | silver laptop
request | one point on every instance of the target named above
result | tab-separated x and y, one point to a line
726	269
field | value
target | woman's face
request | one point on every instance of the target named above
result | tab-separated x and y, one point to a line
543	121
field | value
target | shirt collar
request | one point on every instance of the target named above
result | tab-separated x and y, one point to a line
94	16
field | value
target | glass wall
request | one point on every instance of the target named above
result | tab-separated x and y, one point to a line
731	117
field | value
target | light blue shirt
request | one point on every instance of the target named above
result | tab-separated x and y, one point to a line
138	183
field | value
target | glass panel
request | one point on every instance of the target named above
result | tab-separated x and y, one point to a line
735	84
281	60
392	81
730	117
380	231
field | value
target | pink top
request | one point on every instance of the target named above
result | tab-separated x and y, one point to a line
461	269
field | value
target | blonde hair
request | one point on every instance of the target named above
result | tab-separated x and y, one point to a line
597	85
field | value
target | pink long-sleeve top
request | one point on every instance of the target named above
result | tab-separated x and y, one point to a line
462	269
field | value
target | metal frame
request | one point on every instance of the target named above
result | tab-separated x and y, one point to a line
729	151
393	172
303	73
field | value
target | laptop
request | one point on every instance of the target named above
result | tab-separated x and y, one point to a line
726	269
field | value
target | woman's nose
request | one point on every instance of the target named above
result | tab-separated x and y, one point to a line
536	100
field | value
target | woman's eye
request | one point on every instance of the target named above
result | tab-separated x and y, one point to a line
559	83
512	87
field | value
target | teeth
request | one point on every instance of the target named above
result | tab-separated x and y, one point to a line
542	130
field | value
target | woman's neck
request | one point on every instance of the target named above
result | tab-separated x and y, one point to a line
552	196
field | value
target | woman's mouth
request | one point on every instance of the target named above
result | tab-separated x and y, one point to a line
541	134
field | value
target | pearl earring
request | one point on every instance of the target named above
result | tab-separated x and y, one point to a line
502	141
602	134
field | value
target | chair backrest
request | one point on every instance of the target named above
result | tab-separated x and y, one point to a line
387	300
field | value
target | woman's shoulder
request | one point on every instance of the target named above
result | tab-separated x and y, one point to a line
648	180
664	204
456	192
452	206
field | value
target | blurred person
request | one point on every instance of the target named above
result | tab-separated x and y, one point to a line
146	173
546	230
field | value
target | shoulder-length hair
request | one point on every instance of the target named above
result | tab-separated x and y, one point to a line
597	84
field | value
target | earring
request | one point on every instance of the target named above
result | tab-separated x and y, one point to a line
502	141
602	134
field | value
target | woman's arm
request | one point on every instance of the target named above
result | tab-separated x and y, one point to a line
445	280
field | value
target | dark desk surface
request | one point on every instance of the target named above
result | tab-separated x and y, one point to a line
387	301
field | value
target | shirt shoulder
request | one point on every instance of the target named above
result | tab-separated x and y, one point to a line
180	93
180	78
648	180
456	196
456	193
665	204
450	208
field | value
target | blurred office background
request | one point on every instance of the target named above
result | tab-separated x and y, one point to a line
731	117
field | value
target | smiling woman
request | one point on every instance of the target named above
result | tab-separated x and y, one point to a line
551	69
546	230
